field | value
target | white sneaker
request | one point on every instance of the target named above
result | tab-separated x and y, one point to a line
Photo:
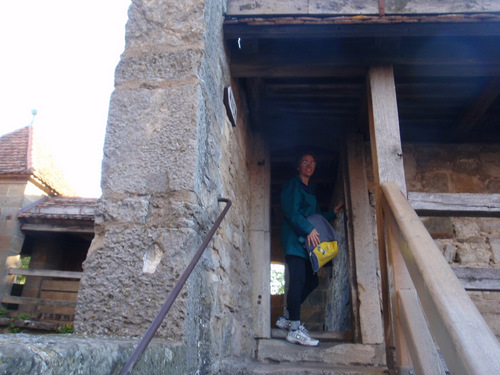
283	323
301	336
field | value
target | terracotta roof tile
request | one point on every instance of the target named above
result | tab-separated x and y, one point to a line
21	153
60	208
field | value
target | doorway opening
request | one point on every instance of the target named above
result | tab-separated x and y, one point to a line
329	307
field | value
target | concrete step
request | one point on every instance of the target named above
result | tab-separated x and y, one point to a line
340	354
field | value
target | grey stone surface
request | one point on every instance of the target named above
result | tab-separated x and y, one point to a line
70	354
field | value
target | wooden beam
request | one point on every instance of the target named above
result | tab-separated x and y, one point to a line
424	355
463	204
387	166
473	114
46	273
478	278
37	301
56	228
371	328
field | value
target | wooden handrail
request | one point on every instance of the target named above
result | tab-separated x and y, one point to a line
467	343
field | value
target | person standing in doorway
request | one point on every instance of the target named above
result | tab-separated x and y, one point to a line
298	201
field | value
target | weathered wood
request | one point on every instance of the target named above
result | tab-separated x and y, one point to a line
385	137
424	355
46	273
57	228
62	296
387	166
30	324
364	246
478	278
60	285
464	204
247	7
467	343
37	301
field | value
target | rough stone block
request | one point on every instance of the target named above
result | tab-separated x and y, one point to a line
439	227
495	248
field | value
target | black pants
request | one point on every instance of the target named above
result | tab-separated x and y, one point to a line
302	281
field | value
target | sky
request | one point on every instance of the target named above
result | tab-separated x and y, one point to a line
58	57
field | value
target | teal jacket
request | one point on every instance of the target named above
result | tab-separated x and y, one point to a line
298	201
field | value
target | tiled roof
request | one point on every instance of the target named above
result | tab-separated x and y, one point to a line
22	154
60	208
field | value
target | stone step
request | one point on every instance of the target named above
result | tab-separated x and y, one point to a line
279	351
312	369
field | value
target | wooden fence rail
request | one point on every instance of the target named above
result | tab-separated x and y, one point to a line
465	340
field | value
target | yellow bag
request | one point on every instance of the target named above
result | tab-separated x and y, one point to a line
322	254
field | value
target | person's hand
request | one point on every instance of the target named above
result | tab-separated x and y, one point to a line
313	238
339	207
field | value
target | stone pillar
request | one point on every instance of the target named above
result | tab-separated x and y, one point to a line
169	153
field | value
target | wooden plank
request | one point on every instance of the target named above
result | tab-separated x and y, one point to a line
57	228
61	285
56	310
364	246
268	7
463	204
467	343
46	273
387	166
36	301
60	296
478	278
424	355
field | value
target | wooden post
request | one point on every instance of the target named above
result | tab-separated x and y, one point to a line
387	158
371	329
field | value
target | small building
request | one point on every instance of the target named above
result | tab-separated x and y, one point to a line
45	231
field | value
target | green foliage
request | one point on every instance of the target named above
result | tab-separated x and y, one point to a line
67	328
277	279
24	265
23	316
13	329
3	312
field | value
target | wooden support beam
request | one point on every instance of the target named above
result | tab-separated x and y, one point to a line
364	245
463	204
387	158
56	228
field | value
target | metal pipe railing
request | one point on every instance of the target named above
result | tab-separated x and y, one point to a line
155	324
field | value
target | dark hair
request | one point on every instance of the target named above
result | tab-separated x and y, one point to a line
302	154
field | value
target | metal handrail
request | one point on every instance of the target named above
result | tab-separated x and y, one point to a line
155	324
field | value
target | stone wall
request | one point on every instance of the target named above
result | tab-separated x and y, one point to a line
169	153
464	241
15	193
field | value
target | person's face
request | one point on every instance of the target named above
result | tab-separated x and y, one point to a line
306	166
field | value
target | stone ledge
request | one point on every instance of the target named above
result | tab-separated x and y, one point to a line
71	354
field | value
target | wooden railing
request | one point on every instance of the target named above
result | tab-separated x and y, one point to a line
429	304
56	293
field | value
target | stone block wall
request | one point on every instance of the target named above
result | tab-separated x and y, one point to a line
170	152
464	241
